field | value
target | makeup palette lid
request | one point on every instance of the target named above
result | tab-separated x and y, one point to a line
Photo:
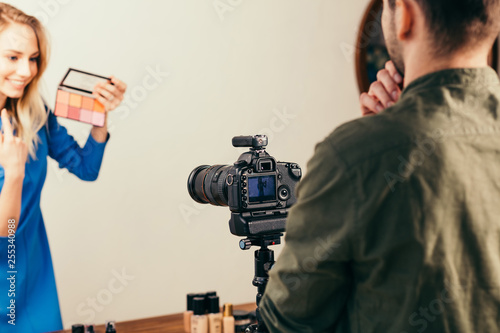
82	81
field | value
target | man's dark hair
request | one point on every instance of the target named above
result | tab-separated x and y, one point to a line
459	23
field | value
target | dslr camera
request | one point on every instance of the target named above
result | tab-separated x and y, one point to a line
258	190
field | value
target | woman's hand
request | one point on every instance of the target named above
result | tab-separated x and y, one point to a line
110	94
384	92
13	151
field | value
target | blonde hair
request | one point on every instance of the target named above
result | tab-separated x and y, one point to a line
28	112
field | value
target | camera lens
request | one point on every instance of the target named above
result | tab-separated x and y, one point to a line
207	184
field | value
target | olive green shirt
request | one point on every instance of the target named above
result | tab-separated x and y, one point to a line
397	224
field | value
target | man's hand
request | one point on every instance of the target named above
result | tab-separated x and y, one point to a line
383	93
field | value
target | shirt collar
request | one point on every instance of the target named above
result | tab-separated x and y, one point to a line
459	76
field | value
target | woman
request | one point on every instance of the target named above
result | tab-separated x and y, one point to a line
28	294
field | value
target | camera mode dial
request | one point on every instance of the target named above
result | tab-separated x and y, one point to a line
295	170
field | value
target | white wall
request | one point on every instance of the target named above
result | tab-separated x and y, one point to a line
227	77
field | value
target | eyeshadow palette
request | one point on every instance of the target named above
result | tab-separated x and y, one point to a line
75	100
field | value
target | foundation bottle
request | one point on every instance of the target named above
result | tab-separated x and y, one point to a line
214	315
199	321
228	319
189	313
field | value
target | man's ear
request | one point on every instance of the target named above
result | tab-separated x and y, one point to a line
405	19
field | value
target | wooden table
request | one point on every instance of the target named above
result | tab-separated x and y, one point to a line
170	324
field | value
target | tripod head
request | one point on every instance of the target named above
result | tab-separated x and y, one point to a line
262	241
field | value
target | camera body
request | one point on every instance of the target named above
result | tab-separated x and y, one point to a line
260	193
258	190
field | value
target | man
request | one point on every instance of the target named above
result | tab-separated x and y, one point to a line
397	224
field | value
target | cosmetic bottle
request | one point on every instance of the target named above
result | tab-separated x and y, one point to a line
189	313
214	315
241	320
199	321
78	328
89	329
110	327
207	295
228	319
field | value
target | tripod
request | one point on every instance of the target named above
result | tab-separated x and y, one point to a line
264	261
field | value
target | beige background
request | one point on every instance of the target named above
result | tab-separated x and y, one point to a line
283	68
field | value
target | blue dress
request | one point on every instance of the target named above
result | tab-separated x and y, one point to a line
34	290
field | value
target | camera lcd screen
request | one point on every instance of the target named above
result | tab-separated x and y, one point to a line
262	188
